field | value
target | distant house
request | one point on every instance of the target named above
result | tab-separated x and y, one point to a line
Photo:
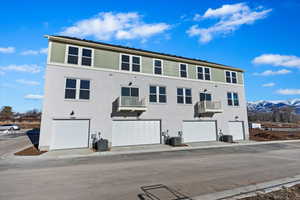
133	96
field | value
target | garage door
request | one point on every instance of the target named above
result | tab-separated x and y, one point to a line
198	131
236	129
135	132
69	134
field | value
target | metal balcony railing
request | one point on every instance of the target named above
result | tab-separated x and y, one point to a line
128	103
210	107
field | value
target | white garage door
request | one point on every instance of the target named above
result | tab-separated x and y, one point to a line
69	134
135	132
198	131
236	130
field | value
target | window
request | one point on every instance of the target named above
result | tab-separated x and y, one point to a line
184	96
86	57
77	89
157	94
157	66
73	53
231	77
130	91
232	99
130	63
205	96
203	73
183	70
79	55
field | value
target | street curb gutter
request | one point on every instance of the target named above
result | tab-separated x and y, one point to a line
251	190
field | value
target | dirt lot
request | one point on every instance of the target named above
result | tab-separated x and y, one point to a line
279	125
267	135
23	125
292	193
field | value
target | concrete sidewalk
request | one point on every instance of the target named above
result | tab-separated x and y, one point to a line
73	153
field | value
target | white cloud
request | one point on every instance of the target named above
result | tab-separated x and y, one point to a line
231	17
2	73
22	68
7	49
268	84
33	96
271	73
35	52
27	82
278	60
108	25
288	91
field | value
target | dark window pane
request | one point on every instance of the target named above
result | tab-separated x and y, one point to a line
179	99
70	83
200	76
188	92
134	92
125	91
86	61
84	84
157	70
84	94
202	96
236	102
136	60
73	59
206	70
229	102
200	70
183	73
183	67
162	90
208	97
228	74
157	63
153	89
188	100
162	98
73	50
135	68
228	80
233	74
207	77
87	52
70	94
179	91
234	80
229	95
152	98
125	58
125	66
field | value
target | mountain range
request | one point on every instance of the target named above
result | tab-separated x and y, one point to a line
267	106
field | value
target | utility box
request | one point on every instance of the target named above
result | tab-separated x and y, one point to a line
175	141
101	145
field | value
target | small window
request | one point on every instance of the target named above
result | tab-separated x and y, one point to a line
86	58
157	94
125	62
205	96
84	92
136	63
130	91
73	55
235	99
70	90
207	73
183	70
229	98
231	77
203	73
184	95
200	74
157	66
228	77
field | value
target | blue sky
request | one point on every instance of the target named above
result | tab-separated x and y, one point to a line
261	37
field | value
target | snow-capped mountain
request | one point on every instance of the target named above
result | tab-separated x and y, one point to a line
267	106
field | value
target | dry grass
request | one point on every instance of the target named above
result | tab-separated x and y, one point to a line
266	135
30	151
24	124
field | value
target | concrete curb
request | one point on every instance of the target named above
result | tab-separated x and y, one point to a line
251	190
136	152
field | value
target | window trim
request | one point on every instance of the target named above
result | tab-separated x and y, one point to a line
203	70
231	82
232	98
77	89
211	96
187	70
157	94
79	55
184	96
130	62
162	66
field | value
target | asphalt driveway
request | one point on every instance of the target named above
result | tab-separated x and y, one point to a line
192	172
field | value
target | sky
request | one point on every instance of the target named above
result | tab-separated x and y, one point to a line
260	37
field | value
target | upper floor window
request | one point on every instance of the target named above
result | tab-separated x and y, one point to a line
77	89
184	96
231	77
232	99
130	63
183	70
205	96
157	94
74	58
157	66
203	73
129	91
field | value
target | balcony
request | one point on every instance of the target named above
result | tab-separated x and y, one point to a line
209	107
130	103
